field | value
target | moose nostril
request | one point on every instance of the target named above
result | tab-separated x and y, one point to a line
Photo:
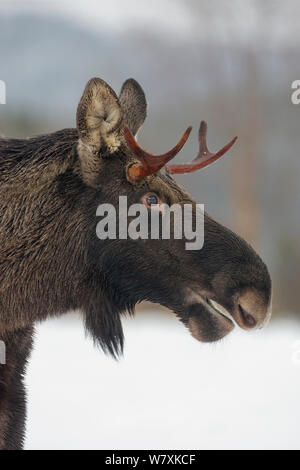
248	319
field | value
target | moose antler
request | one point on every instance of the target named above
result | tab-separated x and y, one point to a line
149	164
204	157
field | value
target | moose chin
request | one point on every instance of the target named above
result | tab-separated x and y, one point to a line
51	260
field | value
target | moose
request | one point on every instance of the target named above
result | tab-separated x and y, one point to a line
52	262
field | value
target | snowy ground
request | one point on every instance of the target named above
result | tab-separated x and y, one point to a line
169	391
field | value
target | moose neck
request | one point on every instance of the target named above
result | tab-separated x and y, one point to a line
44	229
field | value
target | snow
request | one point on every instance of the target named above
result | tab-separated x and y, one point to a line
168	392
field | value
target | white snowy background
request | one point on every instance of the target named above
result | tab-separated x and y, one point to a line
169	391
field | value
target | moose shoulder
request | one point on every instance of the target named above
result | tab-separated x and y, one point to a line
53	262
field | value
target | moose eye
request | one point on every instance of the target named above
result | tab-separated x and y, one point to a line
150	199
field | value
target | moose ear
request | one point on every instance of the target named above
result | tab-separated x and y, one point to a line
134	105
100	128
99	117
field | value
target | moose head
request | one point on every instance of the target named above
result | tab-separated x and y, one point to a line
211	289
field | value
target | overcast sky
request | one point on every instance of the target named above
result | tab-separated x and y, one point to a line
273	22
113	13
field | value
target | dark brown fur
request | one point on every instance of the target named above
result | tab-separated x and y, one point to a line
51	260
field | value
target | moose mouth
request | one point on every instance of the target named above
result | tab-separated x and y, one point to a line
207	320
218	308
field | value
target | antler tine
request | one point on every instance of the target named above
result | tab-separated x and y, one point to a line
149	163
202	139
204	157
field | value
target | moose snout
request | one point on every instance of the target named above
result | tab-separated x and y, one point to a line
252	310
